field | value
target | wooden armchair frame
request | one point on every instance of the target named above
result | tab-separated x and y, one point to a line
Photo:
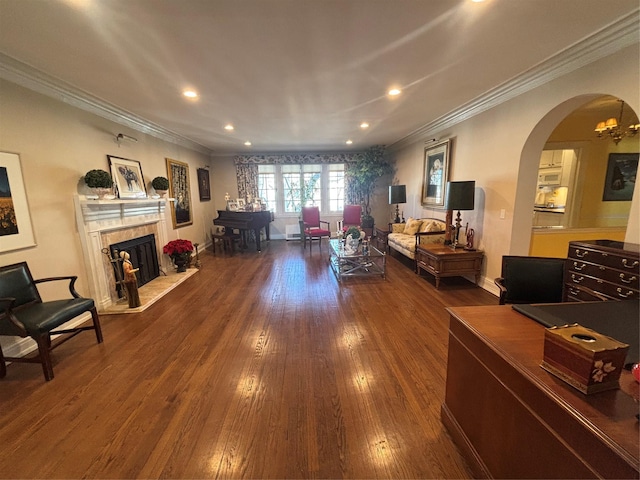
24	314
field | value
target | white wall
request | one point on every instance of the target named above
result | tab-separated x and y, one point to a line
500	150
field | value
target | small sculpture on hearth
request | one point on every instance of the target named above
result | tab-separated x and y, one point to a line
130	280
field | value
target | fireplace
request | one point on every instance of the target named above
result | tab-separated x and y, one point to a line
105	223
143	256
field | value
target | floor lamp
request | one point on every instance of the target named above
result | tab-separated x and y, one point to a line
459	196
397	194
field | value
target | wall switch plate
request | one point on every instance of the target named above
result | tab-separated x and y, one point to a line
503	213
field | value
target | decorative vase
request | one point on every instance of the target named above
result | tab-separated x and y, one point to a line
162	193
181	262
101	192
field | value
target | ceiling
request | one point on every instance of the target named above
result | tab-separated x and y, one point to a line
293	75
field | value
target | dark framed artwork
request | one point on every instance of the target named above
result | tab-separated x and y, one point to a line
16	230
180	191
127	175
436	172
204	187
620	180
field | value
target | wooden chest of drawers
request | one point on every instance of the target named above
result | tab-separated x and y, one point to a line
602	270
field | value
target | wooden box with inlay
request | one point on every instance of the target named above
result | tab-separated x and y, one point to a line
584	358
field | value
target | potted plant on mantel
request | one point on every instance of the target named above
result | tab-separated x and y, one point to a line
160	185
99	181
363	175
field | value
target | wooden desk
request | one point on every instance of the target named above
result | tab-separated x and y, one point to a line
512	419
444	261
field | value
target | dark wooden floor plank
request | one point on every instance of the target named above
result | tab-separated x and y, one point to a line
259	366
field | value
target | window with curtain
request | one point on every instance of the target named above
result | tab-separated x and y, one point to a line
289	187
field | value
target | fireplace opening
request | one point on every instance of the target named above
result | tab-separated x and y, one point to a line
143	255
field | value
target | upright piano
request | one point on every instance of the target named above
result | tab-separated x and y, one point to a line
245	221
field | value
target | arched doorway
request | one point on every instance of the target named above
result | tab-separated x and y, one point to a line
570	126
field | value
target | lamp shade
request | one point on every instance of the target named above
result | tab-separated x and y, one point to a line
460	195
397	194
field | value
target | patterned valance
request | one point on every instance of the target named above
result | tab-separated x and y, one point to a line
299	158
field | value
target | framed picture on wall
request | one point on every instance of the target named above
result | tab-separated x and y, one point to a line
16	230
204	188
620	180
180	191
436	172
127	175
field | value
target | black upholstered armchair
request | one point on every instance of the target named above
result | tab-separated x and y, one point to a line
24	314
531	279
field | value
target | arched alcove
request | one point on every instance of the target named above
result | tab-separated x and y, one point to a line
570	125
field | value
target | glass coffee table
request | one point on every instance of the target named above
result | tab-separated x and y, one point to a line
361	263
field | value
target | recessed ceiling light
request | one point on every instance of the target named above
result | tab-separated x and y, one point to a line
394	91
190	94
349	142
364	125
228	127
477	1
247	143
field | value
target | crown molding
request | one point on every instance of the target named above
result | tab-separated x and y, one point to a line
33	79
616	36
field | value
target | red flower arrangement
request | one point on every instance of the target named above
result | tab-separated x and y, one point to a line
178	247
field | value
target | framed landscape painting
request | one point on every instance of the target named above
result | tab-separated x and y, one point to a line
436	171
16	230
180	191
127	175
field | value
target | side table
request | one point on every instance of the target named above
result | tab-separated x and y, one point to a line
381	240
444	261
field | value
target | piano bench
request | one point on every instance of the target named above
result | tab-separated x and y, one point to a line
227	240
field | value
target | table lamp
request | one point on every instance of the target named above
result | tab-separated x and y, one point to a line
459	196
397	194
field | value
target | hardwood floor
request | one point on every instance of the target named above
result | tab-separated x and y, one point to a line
259	366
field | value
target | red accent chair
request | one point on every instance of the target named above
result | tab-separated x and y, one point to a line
351	217
312	226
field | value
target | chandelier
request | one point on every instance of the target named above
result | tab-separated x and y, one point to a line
612	128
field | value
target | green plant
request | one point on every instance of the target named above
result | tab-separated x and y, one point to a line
98	179
363	175
160	183
353	231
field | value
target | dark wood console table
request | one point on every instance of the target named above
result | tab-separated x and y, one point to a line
512	419
445	261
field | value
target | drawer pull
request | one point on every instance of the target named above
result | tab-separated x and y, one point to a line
576	280
623	279
578	266
581	254
633	265
624	295
574	291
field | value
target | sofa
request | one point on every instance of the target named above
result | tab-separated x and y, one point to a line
405	237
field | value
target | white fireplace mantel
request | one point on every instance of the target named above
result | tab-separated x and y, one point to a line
97	217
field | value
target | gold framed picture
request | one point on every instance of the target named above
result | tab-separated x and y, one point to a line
180	191
436	172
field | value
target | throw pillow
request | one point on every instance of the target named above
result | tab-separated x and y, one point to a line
412	226
433	227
